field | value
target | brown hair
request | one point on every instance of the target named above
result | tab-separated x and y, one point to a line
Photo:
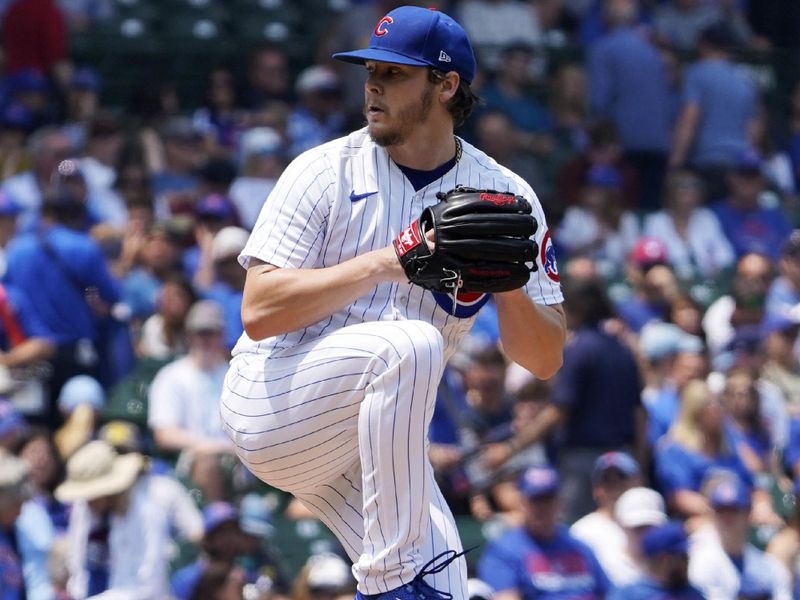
463	101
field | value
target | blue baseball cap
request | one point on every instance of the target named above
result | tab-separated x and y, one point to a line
619	461
85	79
218	513
604	176
729	491
419	37
16	116
669	538
27	80
215	206
539	481
8	208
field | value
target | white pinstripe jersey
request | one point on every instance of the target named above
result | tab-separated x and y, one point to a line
348	197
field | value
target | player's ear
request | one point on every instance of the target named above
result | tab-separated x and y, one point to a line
449	86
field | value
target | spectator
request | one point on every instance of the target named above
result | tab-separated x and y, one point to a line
696	446
30	89
158	258
777	164
675	358
666	556
15	123
102	151
604	149
174	179
637	511
682	22
784	292
74	299
596	395
325	576
183	400
212	213
82	104
46	471
646	270
317	116
25	535
48	147
509	92
628	84
267	77
782	367
118	535
223	279
34	37
80	402
599	226
719	105
614	474
12	426
743	306
785	544
262	158
748	221
163	334
722	564
493	25
541	559
696	245
219	116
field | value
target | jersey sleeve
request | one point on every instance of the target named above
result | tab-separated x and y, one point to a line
544	286
290	228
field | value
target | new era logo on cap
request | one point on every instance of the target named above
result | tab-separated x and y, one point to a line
443	57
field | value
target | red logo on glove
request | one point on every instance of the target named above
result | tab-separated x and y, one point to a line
408	239
499	199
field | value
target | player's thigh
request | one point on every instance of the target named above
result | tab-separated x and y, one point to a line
300	406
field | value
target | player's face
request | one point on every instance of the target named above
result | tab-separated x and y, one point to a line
398	99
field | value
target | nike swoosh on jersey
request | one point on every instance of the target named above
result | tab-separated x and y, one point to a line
356	197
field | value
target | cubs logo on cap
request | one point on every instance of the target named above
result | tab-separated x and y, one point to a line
419	37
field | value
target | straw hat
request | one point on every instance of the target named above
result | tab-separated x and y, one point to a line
96	470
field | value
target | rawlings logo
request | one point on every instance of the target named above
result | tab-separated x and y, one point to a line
498	199
380	28
408	239
548	258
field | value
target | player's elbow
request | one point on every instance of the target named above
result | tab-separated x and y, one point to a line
256	326
549	366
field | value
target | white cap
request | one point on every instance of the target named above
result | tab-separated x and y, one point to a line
477	589
328	570
315	78
640	506
228	242
260	140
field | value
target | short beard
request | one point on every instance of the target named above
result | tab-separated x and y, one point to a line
408	117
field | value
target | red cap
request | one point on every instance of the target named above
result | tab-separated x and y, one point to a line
649	251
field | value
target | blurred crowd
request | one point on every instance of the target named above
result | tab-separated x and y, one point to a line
664	458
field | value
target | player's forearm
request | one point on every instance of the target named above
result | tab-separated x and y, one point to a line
280	300
533	335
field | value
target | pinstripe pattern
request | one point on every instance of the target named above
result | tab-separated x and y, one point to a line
337	413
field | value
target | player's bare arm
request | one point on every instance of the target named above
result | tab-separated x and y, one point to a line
280	300
533	335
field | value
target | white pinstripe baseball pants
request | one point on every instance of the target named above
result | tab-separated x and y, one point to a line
341	422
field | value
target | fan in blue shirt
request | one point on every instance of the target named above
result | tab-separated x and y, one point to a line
541	559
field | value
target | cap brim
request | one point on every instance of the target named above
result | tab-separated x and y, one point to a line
359	57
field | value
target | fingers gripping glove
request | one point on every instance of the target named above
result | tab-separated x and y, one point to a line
483	243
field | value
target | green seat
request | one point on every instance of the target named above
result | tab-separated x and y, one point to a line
127	401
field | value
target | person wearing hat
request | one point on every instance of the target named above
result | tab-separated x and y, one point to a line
614	473
318	116
541	559
322	267
784	292
118	534
262	158
26	535
636	511
220	277
599	226
177	178
665	550
721	559
750	223
183	401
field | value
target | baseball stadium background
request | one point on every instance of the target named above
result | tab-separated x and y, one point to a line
661	136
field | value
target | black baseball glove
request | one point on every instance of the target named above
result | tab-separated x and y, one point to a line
483	243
